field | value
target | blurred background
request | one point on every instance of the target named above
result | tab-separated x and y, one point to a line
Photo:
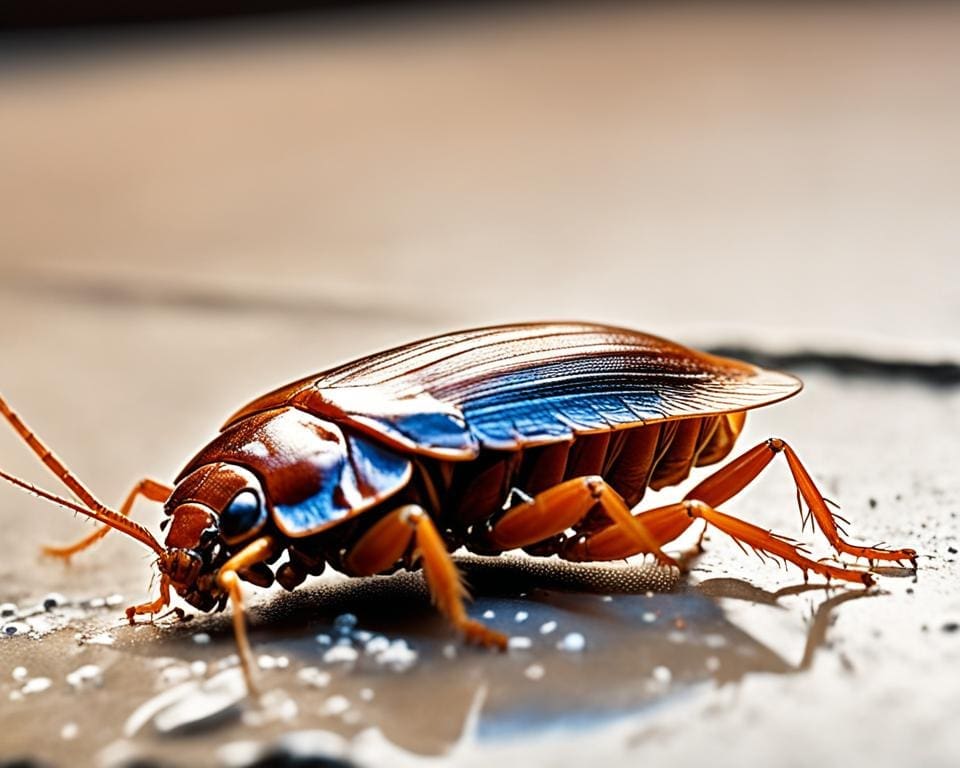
202	202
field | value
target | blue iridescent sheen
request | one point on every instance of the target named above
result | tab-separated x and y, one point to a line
380	471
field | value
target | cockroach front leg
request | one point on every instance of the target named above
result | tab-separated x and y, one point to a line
154	607
255	552
149	489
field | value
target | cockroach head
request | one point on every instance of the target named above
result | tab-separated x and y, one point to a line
213	511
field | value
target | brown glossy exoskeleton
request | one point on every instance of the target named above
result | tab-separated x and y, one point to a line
537	436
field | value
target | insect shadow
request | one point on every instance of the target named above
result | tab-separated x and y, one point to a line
647	636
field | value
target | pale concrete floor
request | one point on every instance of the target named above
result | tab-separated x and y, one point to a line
187	225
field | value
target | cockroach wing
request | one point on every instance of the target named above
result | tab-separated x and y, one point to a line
314	473
512	386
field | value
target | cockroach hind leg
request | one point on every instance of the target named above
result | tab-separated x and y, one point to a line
760	539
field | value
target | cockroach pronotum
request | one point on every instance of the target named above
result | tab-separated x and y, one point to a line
538	436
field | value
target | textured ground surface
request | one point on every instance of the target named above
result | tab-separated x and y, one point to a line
190	223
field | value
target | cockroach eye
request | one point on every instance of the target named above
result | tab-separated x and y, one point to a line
242	516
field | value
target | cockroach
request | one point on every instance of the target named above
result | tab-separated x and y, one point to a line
539	436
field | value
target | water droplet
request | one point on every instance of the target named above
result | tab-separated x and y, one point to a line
376	644
16	628
340	654
399	656
662	675
547	627
574	642
534	671
89	675
53	600
345	623
36	685
335	705
202	704
314	677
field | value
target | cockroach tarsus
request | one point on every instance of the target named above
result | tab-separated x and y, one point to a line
399	458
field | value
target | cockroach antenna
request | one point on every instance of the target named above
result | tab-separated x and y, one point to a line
103	515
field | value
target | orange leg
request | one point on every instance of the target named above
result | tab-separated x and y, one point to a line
444	580
563	506
771	543
147	488
382	546
733	478
154	607
255	552
670	521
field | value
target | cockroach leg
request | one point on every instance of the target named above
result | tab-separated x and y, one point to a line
152	607
382	546
662	524
149	489
670	521
827	520
444	580
255	552
767	542
563	506
735	476
548	513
